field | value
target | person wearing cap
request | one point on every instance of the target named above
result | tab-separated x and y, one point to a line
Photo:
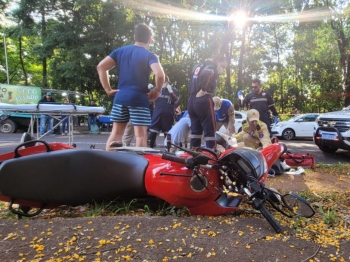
164	111
224	115
46	121
254	133
200	106
262	101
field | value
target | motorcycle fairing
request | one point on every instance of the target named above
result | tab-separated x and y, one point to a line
73	177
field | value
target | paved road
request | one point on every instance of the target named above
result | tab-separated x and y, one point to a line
84	141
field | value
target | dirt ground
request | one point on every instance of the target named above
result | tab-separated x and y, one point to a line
235	237
323	180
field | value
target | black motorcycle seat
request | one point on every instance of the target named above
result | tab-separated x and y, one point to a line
74	177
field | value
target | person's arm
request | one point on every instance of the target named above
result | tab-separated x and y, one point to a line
175	98
159	79
231	121
265	139
271	104
246	102
103	68
207	79
240	135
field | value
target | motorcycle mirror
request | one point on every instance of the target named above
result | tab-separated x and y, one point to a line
298	205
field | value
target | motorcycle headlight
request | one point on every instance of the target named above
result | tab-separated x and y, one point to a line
251	162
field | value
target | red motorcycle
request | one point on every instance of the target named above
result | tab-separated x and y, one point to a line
41	175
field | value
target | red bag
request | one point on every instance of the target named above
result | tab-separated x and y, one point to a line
294	160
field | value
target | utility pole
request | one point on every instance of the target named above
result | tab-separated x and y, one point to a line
7	66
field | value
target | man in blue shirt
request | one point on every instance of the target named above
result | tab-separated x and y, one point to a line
134	64
224	115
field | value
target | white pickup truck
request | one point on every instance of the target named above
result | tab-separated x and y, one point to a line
332	131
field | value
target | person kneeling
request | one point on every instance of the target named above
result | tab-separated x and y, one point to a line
255	133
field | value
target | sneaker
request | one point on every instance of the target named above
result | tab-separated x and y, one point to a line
285	166
62	134
115	144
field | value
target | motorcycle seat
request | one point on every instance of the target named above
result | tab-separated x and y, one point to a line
74	177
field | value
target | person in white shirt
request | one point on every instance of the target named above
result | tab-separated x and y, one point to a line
180	133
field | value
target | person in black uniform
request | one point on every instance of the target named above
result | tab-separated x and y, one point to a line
164	110
261	101
200	103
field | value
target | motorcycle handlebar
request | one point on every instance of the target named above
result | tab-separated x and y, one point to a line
275	225
174	158
188	162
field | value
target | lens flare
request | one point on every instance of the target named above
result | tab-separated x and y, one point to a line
169	10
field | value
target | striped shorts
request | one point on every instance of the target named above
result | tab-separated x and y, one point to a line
139	116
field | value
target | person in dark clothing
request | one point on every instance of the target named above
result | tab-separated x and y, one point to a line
200	103
262	101
164	110
46	121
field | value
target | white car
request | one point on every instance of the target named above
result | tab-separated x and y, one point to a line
239	118
298	126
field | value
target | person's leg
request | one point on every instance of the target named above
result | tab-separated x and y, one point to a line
120	117
155	127
128	134
141	136
50	124
140	118
116	134
63	125
196	127
204	108
43	119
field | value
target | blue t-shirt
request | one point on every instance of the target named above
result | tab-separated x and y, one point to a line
221	115
133	69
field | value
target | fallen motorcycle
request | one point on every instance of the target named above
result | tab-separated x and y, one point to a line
42	175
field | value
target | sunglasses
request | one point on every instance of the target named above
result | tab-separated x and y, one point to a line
254	86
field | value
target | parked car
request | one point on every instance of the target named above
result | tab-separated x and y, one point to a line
240	117
298	126
332	131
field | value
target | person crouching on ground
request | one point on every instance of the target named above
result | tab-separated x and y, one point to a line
254	133
224	115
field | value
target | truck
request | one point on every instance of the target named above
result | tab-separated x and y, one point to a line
17	94
332	131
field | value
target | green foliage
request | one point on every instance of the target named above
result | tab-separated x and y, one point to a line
59	44
329	216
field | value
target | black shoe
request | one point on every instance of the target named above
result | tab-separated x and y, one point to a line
115	144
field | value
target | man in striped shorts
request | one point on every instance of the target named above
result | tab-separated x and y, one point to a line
134	64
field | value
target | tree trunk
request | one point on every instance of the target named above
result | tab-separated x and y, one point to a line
43	36
22	62
344	61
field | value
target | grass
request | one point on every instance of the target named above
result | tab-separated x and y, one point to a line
329	217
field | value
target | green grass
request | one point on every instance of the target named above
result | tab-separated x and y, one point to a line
329	217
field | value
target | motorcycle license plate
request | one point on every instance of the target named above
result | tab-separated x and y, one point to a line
328	136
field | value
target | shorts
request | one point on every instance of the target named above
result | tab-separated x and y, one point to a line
139	116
